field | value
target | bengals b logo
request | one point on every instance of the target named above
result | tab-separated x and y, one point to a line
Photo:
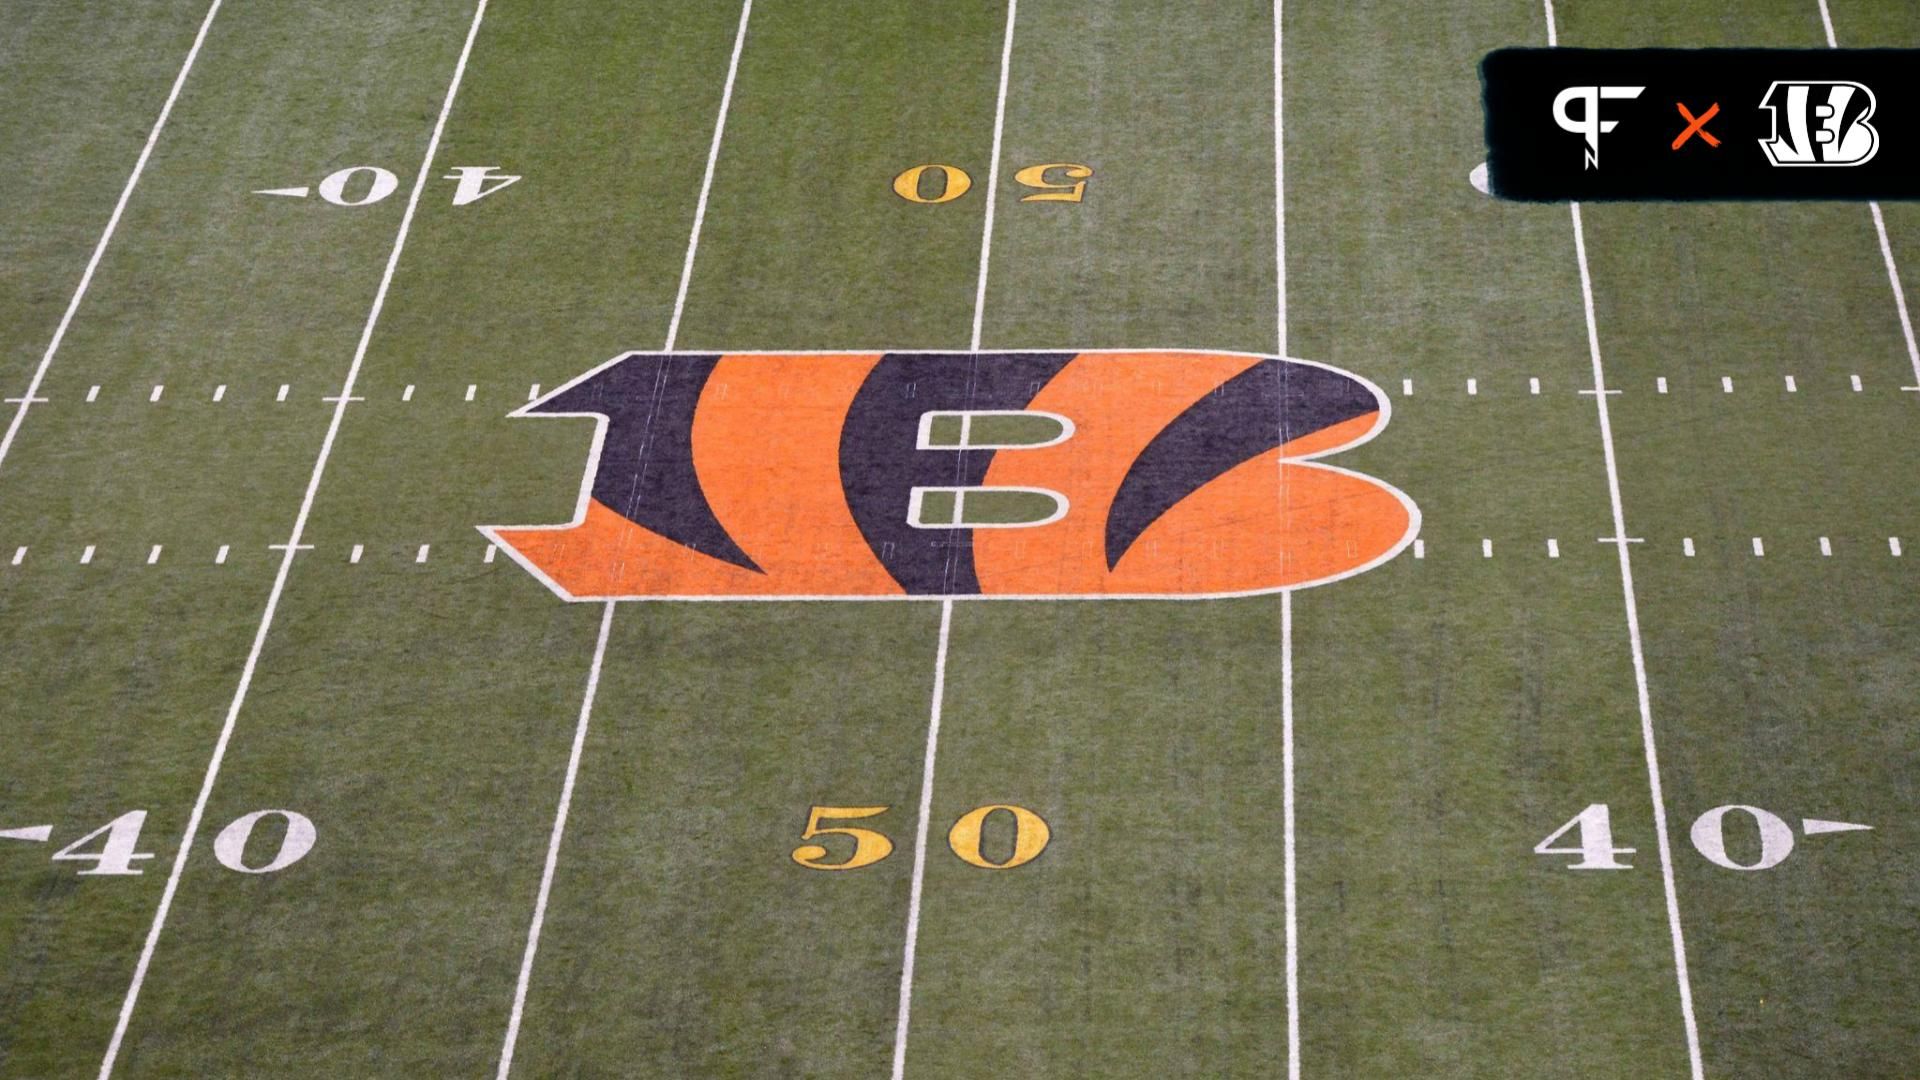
852	476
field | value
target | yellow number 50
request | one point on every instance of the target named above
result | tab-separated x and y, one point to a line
869	847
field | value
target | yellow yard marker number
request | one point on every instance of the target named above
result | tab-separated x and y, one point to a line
954	183
869	847
1030	836
1035	176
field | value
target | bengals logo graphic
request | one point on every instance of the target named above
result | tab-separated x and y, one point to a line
852	476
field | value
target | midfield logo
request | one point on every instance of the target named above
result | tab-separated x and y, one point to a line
859	476
1826	124
1589	123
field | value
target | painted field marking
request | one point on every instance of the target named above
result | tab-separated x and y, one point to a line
19	555
1486	549
32	834
93	393
353	557
904	1012
1856	384
471	388
290	550
1473	387
1759	549
407	394
1419	549
158	389
1893	546
1637	648
1819	827
220	557
1533	386
1660	384
1726	384
903	1020
1553	548
86	556
492	550
106	237
421	555
1406	387
220	391
559	832
1886	248
282	395
1826	547
153	556
1289	873
1641	692
533	392
1792	388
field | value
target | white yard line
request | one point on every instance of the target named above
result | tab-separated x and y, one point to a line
561	811
32	395
1280	181
1289	865
1623	544
1286	775
553	843
290	549
903	1021
920	843
993	174
1886	248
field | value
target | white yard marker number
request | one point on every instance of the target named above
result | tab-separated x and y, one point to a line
1596	849
1773	838
230	847
476	182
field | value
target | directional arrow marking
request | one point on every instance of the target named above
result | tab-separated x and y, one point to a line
1815	826
292	192
37	834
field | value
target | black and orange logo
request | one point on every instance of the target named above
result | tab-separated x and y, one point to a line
906	475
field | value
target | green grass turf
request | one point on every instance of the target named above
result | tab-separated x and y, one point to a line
1450	710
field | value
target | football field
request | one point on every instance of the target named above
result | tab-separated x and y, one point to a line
1562	720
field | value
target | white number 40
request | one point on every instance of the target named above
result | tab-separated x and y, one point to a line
119	841
1596	848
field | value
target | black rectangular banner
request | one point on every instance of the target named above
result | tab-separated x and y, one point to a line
1600	124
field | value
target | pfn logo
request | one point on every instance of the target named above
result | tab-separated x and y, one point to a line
860	476
1589	124
1826	124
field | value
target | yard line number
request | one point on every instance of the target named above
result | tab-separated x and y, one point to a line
364	185
932	184
1020	833
1588	838
113	848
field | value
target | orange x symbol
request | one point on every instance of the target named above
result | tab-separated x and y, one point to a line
1697	125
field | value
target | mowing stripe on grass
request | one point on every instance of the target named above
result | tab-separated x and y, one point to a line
558	835
32	394
904	1020
289	550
